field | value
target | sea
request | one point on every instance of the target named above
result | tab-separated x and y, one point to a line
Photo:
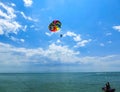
58	82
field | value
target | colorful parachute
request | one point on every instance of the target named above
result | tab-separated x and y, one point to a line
55	26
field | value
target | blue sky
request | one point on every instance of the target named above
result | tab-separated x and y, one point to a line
90	42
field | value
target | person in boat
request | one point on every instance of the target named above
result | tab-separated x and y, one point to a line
107	88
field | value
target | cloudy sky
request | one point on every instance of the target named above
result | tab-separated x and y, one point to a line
90	42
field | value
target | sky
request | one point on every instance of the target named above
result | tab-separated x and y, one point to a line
90	41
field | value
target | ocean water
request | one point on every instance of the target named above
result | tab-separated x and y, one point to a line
58	82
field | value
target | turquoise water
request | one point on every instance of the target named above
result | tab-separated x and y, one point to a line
58	82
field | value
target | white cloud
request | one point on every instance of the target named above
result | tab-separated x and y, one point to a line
1	31
22	13
28	3
77	38
49	34
7	20
11	55
27	17
102	44
9	27
13	38
10	12
117	28
102	63
69	33
25	27
8	16
32	26
62	53
16	39
82	43
22	40
58	41
54	53
12	4
108	34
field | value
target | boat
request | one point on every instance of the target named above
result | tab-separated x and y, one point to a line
108	90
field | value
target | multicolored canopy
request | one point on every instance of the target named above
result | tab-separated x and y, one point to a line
55	26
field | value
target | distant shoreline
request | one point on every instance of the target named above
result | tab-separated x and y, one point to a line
55	72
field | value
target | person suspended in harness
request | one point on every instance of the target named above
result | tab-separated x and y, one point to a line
107	88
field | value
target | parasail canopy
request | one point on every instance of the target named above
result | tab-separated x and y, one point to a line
55	26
